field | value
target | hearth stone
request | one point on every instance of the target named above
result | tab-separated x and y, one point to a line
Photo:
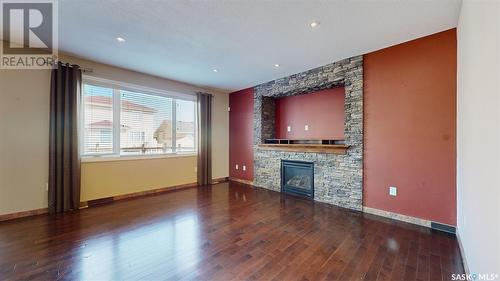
337	178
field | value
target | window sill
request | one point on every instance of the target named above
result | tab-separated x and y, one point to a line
113	158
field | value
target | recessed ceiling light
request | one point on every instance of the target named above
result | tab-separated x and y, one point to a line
314	24
276	65
120	39
215	70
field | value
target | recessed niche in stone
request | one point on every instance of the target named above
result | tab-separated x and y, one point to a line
312	116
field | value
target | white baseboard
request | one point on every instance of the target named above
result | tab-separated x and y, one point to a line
462	252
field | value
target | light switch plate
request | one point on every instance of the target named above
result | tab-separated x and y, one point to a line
306	127
237	167
393	191
244	168
289	129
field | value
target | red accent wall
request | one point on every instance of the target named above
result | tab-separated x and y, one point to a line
410	128
322	111
241	134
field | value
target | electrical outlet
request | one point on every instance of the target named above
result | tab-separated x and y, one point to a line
236	167
289	129
306	127
195	169
393	191
47	186
244	168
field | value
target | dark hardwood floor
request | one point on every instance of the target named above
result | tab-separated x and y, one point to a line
227	231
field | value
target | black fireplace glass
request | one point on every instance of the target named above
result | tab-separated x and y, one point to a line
297	178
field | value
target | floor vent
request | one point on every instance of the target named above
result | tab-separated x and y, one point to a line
443	227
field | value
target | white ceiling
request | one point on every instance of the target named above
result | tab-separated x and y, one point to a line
185	40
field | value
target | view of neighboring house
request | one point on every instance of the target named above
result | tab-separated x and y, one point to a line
143	128
138	124
185	139
184	135
163	134
98	125
136	129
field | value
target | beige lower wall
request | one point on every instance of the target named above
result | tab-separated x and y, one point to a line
24	142
24	139
111	178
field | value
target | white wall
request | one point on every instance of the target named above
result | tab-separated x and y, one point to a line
478	134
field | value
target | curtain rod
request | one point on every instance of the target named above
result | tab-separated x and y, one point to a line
84	69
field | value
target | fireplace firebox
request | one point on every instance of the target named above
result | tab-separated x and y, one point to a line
297	178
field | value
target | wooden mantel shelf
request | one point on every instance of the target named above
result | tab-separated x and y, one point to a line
315	148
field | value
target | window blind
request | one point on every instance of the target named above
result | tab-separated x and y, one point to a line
98	120
146	123
126	121
185	133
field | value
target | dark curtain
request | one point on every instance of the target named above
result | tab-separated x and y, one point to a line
204	138
64	158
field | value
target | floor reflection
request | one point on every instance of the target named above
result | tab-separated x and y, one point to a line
174	244
227	231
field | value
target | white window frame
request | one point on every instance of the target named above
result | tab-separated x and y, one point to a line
122	86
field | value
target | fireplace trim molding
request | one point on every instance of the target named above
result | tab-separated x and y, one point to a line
338	178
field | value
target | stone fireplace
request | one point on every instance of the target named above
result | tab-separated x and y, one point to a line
338	178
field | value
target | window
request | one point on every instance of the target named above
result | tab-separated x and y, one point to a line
146	123
98	120
185	129
130	121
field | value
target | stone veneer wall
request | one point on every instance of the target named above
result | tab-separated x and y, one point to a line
338	179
